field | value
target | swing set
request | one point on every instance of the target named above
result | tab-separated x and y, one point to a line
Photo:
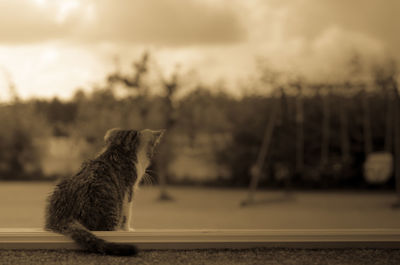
378	166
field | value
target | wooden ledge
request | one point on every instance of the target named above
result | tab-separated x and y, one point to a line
26	238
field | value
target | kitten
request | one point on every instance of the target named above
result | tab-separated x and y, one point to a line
99	197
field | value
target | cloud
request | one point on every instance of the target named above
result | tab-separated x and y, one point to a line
166	22
375	19
24	21
47	69
328	56
170	22
317	39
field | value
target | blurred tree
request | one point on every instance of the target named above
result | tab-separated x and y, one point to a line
12	90
384	81
366	120
326	128
21	128
135	83
16	143
59	114
170	88
344	128
356	74
298	84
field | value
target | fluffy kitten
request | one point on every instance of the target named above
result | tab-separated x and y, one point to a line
99	197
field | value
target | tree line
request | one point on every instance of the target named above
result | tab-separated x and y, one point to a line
319	134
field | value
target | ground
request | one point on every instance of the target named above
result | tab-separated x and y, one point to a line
22	205
209	257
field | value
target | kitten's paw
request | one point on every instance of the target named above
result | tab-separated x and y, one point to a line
128	229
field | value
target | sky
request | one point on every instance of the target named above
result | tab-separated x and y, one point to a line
52	47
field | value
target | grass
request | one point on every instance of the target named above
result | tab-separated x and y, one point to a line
22	205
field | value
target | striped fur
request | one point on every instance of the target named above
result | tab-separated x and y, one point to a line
99	197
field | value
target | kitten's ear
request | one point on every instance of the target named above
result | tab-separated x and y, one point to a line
157	135
111	134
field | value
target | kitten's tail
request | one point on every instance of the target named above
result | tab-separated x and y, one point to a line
87	240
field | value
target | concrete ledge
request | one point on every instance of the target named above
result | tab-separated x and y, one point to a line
26	238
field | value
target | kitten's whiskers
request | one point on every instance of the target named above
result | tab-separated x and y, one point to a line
147	178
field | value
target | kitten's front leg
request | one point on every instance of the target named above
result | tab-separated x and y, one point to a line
127	217
127	213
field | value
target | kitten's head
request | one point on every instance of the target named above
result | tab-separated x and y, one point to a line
131	140
149	140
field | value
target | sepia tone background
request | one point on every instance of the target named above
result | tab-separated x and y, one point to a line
298	100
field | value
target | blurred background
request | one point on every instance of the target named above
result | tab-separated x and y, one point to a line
299	98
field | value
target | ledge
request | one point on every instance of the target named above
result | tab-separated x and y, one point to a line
26	238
